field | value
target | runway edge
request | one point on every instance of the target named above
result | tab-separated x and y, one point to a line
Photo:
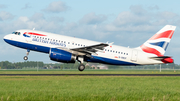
89	74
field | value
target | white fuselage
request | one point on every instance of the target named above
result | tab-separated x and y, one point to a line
112	54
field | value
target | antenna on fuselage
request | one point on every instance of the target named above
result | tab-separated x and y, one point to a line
111	43
33	28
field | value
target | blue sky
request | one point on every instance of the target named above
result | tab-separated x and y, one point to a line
124	22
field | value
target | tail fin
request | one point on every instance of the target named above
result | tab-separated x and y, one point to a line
159	42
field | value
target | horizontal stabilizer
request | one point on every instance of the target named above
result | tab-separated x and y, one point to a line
160	57
164	59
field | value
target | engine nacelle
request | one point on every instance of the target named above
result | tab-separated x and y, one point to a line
61	56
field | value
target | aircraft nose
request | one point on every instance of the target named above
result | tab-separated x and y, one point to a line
6	38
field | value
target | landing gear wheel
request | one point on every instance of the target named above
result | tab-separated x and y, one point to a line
25	58
81	67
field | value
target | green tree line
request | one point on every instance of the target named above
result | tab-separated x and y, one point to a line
20	65
41	65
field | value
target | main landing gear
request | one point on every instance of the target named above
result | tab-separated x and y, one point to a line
81	66
26	57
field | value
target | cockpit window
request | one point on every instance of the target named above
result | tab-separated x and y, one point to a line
16	33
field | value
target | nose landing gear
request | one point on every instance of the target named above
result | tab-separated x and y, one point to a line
26	57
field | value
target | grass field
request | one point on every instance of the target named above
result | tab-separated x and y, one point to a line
58	71
87	88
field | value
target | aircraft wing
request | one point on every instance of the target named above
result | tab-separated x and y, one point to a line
91	49
88	50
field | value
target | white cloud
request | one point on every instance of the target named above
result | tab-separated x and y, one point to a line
167	15
56	7
6	16
92	18
37	16
136	16
56	19
70	26
138	10
23	19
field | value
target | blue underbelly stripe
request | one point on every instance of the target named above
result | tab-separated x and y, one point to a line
113	61
29	46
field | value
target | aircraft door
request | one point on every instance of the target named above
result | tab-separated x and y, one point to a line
134	56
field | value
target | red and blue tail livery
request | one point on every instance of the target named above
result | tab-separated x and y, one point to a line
159	42
69	49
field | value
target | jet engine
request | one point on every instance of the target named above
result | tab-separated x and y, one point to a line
61	56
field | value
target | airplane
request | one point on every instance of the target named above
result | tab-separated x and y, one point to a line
70	49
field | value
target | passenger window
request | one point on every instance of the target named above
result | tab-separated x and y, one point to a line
72	43
68	42
121	52
126	53
64	41
110	50
78	44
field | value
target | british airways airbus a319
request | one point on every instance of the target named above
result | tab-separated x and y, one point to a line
69	49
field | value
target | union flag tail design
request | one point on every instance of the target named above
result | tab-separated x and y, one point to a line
159	42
